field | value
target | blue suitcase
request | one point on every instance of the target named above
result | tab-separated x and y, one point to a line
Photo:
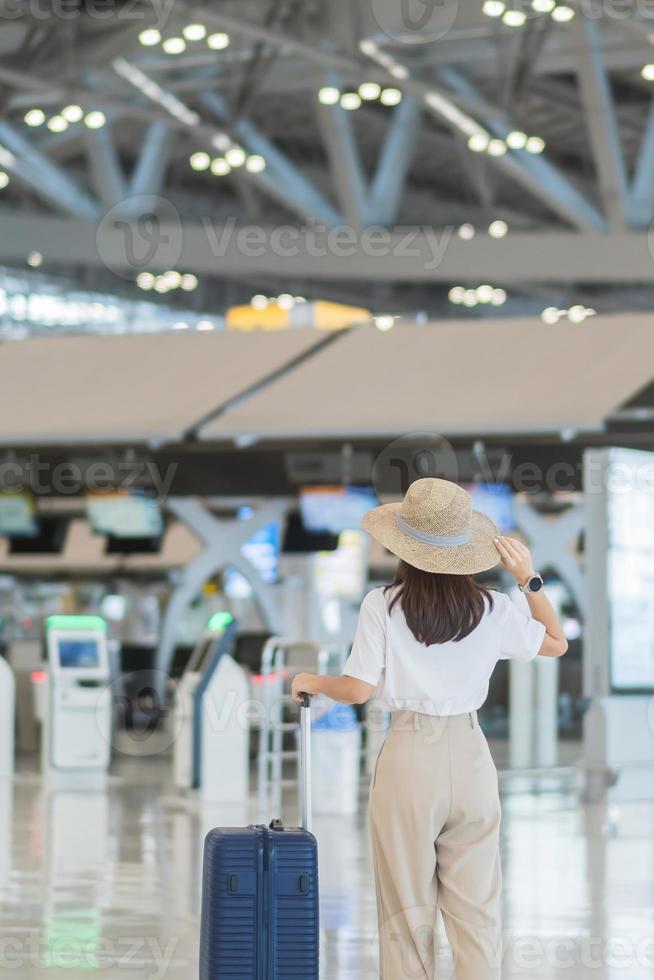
260	895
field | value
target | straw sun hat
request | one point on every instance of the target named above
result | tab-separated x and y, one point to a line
436	529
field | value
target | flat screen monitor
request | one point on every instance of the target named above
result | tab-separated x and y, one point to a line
76	654
629	481
496	501
17	515
335	509
123	515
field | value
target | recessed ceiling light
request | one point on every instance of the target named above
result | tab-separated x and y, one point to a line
478	142
562	14
180	325
205	325
57	124
470	298
259	302
543	6
648	72
466	231
145	280
199	160
498	229
350	100
34	260
514	18
496	148
390	96
4	179
493	8
72	113
149	37
220	167
34	117
550	315
189	282
174	45
95	119
499	297
369	90
535	144
484	293
456	295
236	156
195	32
516	140
385	321
255	163
328	95
218	41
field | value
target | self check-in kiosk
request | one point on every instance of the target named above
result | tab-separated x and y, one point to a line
77	727
211	748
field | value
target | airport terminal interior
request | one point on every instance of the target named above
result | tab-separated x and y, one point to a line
263	264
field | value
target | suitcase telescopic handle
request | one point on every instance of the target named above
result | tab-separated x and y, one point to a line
305	762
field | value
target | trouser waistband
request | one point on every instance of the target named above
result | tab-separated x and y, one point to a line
417	721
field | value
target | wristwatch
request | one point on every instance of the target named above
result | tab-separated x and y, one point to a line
533	584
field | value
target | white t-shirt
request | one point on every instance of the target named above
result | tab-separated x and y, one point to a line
444	678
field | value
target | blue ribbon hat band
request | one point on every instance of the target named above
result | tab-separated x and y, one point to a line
440	540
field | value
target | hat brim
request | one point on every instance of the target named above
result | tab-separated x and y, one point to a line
478	555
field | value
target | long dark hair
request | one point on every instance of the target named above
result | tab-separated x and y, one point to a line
438	607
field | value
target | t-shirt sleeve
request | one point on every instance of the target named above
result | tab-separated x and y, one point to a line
522	635
366	660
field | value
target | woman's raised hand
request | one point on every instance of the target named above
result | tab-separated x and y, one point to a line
516	558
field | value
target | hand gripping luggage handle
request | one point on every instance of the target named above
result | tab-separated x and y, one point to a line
305	762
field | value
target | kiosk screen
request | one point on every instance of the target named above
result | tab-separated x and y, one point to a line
77	654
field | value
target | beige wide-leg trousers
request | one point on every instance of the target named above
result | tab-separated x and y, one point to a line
434	821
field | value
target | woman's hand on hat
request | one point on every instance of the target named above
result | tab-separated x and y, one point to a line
516	558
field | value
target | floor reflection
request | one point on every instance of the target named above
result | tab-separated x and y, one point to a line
108	881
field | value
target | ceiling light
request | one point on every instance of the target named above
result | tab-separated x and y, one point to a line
577	314
368	47
57	124
34	117
390	96
172	278
145	280
550	315
174	45
478	142
493	8
470	298
199	160
543	6
456	294
220	167
484	293
647	73
72	113
369	90
205	325
255	163
95	119
195	32
399	71
221	141
34	260
4	179
259	302
498	229
466	232
497	148
350	100
535	144
329	95
161	286
180	325
149	37
562	14
285	301
189	282
516	140
514	18
236	156
218	41
385	321
499	297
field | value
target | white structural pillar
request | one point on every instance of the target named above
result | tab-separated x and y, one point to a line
521	700
7	719
547	695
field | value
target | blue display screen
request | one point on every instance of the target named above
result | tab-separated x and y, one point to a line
78	653
335	509
496	501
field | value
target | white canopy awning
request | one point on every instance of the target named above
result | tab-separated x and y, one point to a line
142	387
454	378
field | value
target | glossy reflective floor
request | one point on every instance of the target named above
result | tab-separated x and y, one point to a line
106	881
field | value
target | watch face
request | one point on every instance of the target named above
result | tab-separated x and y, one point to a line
535	584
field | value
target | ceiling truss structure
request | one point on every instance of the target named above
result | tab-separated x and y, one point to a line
578	212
